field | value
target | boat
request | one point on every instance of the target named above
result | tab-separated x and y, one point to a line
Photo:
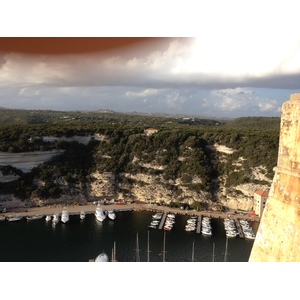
190	228
55	219
14	218
249	235
111	214
206	231
167	227
2	218
102	257
157	216
231	233
82	215
65	215
34	217
152	226
99	213
48	218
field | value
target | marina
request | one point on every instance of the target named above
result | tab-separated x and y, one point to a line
83	239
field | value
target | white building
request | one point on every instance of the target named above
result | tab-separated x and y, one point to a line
260	199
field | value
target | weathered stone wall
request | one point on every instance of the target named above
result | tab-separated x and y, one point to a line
278	236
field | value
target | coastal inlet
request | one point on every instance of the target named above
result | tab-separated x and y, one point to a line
83	238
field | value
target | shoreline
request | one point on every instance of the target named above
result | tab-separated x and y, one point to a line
90	209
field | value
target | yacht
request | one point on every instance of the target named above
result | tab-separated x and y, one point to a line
82	215
48	218
111	214
14	218
35	217
99	213
55	219
65	215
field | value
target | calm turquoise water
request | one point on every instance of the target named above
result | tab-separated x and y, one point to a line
81	240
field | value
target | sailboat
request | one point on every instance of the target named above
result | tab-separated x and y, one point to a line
226	250
113	253
164	248
148	251
193	251
137	250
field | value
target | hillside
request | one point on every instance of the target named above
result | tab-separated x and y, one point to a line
206	163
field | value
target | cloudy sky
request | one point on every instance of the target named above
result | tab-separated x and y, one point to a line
222	59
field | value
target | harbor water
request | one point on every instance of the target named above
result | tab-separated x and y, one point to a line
83	240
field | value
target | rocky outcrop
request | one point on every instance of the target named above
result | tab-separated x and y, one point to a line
278	236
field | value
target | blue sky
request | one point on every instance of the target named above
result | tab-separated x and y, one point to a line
232	59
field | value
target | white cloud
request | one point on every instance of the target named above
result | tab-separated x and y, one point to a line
143	93
244	101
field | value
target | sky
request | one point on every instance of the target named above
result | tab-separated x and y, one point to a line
222	59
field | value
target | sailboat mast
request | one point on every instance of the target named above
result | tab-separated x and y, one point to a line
148	251
164	247
137	248
225	257
193	251
115	252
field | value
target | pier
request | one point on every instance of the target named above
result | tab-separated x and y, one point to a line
162	222
198	229
239	228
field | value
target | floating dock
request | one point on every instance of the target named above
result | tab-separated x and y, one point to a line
162	222
198	229
239	228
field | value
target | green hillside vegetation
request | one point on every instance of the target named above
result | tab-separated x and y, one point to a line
180	148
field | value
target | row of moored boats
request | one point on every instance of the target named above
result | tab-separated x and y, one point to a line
100	215
231	229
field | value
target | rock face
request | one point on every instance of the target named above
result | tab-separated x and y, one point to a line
278	236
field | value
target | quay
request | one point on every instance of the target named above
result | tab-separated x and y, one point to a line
89	208
198	229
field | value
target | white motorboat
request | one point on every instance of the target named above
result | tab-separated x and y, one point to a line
82	215
249	235
2	218
55	219
99	213
35	217
231	233
157	216
206	231
65	215
111	214
152	226
102	257
48	218
14	218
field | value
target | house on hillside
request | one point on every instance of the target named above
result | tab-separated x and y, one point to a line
260	199
150	131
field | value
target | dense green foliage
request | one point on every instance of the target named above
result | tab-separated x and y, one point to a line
179	150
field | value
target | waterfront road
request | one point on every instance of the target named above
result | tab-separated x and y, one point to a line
90	208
